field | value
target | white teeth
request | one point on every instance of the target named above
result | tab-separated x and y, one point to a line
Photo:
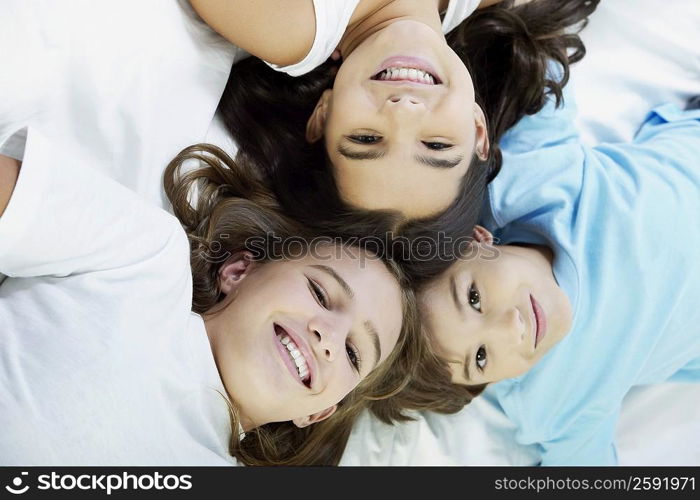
296	356
414	74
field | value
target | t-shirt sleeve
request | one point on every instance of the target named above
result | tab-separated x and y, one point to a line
563	180
66	218
457	11
668	135
588	441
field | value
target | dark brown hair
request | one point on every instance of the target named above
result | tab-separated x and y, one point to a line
511	47
222	206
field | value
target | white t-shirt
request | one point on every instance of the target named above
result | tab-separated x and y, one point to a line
102	361
332	18
125	83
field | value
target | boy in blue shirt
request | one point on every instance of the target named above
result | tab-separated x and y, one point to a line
593	288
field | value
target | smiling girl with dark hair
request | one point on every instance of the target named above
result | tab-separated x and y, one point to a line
359	142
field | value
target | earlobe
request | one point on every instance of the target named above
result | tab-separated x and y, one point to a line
482	235
317	121
482	135
316	417
234	270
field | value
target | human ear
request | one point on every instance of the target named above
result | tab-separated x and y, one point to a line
482	134
317	120
482	235
316	417
234	270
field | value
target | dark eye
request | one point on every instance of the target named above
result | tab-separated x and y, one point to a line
474	298
437	146
318	293
353	356
365	138
481	358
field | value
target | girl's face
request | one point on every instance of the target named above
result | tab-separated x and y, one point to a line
293	337
495	314
401	125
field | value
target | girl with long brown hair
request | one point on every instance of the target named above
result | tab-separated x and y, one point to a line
127	340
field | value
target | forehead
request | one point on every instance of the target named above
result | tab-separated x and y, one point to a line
474	258
397	183
377	298
363	271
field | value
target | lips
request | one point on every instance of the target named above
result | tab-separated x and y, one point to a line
540	321
296	355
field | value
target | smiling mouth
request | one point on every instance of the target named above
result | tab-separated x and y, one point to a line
295	356
406	74
540	320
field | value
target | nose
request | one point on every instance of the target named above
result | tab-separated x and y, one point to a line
513	326
328	336
405	103
406	98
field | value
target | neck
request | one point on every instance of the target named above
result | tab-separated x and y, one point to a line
246	424
371	16
541	251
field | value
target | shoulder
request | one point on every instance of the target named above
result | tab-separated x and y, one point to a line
281	33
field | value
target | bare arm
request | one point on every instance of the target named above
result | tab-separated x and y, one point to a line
9	171
280	32
488	3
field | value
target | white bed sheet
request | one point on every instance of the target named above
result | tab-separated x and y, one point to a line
638	57
131	82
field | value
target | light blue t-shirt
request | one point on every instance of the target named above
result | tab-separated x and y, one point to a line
624	223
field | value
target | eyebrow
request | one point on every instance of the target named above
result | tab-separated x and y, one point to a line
371	330
331	272
467	362
455	295
376	154
434	162
370	154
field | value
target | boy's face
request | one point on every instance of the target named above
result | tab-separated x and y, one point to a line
495	314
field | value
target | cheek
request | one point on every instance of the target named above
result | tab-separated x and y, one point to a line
268	295
350	107
457	116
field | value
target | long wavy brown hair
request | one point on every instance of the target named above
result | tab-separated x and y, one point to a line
222	206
